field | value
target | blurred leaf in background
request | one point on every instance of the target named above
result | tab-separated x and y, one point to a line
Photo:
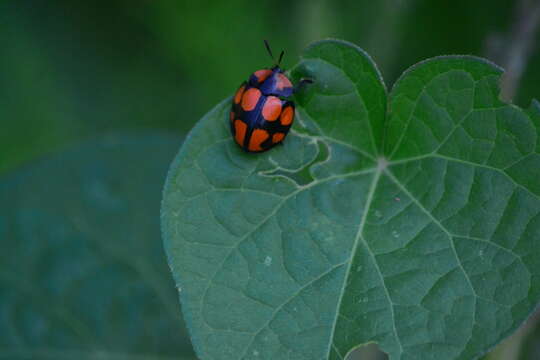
82	269
530	345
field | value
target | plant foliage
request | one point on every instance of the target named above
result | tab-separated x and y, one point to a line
409	219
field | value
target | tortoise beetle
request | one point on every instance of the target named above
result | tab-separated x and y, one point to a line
261	113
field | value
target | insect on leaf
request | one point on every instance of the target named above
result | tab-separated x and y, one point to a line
410	219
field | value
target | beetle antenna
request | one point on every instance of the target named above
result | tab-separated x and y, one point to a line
281	57
268	49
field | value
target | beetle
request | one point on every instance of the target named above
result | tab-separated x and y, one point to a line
262	113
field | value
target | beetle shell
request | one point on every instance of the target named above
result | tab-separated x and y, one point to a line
260	117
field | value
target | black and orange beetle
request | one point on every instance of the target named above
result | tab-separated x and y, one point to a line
261	114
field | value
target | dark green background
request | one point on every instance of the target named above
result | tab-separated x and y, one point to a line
74	69
77	70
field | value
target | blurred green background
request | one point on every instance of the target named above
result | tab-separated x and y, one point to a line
72	71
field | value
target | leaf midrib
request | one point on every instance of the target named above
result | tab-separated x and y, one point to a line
358	238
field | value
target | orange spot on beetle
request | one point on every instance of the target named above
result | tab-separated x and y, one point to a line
257	138
277	137
282	82
250	99
272	108
240	132
238	95
262	74
287	116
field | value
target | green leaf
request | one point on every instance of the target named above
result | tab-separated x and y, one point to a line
82	270
413	228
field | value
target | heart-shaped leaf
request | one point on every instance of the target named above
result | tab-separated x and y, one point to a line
82	269
412	227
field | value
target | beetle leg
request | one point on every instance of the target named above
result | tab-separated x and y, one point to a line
301	84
